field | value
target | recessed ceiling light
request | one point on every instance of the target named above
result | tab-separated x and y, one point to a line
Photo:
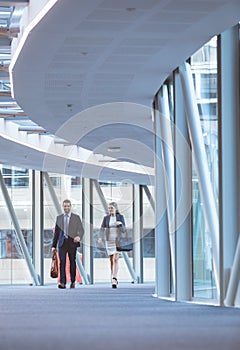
110	161
114	149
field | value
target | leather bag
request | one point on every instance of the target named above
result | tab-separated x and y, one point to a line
124	243
54	266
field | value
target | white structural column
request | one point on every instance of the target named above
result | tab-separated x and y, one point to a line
168	161
137	234
87	216
206	190
183	183
37	223
230	155
233	284
162	246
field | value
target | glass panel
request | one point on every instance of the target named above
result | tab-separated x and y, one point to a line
65	187
13	266
148	238
15	177
204	69
122	194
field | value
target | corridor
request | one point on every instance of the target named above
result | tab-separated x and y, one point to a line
98	317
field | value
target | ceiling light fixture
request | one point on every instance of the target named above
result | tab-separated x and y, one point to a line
114	149
131	9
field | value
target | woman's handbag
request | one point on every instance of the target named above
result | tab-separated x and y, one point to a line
54	266
123	241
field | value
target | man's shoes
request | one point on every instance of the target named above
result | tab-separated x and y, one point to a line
72	285
62	286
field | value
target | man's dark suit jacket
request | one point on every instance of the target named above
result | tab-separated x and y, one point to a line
75	228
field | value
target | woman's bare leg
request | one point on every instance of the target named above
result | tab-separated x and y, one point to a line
115	269
115	265
111	264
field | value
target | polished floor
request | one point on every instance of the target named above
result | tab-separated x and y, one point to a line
99	317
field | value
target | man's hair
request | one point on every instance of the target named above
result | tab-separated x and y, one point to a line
67	201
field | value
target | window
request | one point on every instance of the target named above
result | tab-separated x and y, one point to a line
15	177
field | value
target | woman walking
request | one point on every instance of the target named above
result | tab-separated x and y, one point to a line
111	225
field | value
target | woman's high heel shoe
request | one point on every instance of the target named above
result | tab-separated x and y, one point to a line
114	284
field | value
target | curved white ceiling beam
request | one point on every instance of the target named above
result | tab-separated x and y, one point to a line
42	153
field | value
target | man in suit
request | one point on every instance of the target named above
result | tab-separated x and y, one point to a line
68	233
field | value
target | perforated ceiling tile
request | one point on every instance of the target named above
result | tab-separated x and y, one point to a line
71	68
165	29
64	84
137	40
65	76
101	26
89	40
129	58
186	6
139	4
170	16
142	50
123	15
69	57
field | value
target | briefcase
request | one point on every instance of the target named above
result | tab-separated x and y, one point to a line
54	266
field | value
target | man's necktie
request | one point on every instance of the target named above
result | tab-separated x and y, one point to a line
66	226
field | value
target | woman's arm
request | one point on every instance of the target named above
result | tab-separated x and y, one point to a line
120	221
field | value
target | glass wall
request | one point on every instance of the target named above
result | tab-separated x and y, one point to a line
13	266
123	195
56	188
148	237
204	70
63	187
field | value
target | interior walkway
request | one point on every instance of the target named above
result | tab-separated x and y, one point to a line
98	317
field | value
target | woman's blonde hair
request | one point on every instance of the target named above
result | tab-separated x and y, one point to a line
114	204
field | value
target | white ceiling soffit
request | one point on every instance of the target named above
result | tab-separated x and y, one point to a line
94	67
43	153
